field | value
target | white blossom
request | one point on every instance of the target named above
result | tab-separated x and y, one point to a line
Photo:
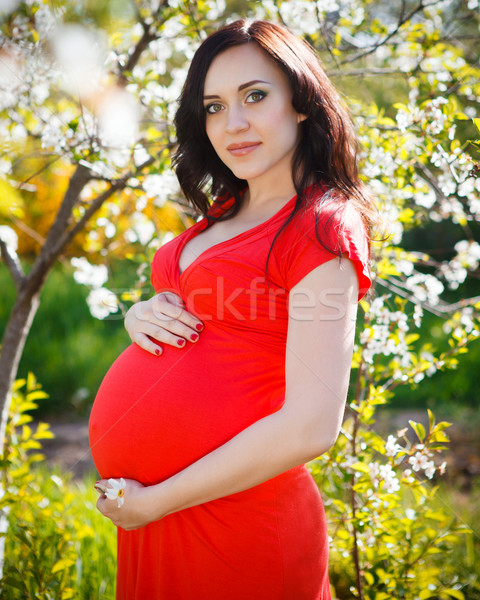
10	238
419	461
140	155
87	274
417	315
425	287
391	446
161	186
80	54
142	229
430	469
404	119
389	478
118	117
108	225
301	15
102	302
116	491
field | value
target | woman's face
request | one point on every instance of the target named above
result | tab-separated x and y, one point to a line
250	120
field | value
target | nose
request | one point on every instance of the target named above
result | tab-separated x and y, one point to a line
236	120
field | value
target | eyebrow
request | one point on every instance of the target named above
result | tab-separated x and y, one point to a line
240	87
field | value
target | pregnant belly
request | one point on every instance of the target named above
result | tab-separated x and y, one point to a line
153	416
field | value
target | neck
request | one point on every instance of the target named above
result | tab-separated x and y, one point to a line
261	193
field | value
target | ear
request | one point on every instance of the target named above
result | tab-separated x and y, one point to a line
301	118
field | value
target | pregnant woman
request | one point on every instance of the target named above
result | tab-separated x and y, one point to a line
240	370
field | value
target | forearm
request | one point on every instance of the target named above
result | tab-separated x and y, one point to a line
264	450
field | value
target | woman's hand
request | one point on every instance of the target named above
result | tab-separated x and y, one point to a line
164	319
137	506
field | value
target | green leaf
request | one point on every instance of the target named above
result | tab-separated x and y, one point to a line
477	123
419	429
431	419
450	591
62	564
369	578
361	467
37	395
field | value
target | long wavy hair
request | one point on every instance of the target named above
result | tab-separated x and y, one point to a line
326	153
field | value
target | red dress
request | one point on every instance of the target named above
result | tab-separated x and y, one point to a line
154	416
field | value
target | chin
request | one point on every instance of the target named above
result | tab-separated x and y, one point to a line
246	173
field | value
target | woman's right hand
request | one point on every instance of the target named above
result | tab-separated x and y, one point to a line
164	319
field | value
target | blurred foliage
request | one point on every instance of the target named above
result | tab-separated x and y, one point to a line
70	349
405	541
58	547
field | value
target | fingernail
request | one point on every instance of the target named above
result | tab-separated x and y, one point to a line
181	342
194	337
157	352
199	327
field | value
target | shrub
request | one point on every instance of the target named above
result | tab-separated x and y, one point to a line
57	546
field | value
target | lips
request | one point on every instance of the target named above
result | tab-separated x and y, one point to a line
242	148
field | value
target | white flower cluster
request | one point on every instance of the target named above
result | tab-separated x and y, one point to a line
216	8
141	230
386	475
379	162
422	461
391	446
161	186
425	288
430	370
439	69
301	16
380	338
390	213
101	301
462	323
431	117
467	258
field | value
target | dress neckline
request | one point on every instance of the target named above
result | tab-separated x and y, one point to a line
204	224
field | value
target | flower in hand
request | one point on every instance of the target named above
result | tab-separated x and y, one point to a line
116	491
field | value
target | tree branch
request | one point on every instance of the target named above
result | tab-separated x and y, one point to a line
147	37
49	251
401	21
13	265
117	185
442	309
365	72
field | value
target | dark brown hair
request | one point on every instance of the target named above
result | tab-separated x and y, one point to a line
327	150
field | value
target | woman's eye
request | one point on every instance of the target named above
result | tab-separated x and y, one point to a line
213	108
256	96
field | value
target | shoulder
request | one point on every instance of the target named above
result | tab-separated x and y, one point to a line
325	227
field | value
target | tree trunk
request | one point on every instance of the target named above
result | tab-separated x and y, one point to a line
28	292
18	326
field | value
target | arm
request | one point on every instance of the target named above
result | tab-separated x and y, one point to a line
318	358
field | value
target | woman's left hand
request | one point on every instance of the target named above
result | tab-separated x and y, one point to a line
132	507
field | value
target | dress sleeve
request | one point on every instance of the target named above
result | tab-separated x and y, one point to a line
339	227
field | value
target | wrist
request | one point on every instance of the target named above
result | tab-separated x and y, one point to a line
156	501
